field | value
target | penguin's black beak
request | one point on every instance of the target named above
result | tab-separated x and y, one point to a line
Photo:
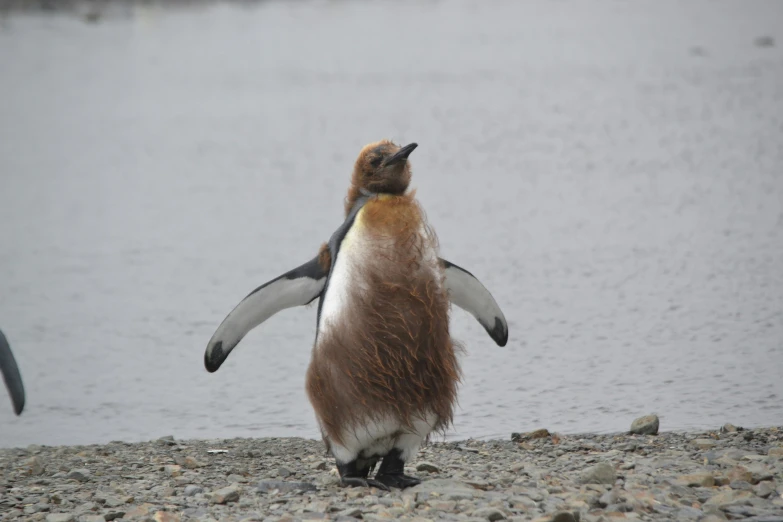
401	155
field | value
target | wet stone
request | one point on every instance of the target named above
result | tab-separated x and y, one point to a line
647	425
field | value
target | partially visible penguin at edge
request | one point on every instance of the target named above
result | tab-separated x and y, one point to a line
11	375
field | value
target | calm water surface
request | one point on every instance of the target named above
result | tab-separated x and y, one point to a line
612	172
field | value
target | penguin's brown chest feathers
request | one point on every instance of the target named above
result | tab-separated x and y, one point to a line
384	350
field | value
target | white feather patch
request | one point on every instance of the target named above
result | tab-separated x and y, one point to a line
380	437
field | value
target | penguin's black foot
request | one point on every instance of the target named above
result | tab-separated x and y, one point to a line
355	474
400	481
391	472
356	482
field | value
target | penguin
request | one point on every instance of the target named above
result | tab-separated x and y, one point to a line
11	375
384	372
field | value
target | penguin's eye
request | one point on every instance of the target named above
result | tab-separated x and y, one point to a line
376	162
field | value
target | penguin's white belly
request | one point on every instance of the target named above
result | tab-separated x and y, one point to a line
355	250
359	249
377	438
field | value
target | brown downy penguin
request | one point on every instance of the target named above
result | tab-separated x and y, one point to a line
384	371
11	375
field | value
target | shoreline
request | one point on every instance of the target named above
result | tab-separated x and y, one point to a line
709	475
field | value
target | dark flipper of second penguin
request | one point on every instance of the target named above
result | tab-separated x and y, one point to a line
11	375
467	292
297	287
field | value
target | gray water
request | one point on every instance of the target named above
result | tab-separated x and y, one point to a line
613	173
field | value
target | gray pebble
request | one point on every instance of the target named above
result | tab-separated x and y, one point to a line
59	517
81	475
427	466
490	514
602	473
284	487
647	425
564	516
225	495
34	466
193	490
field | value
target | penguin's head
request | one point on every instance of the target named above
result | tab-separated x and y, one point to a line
383	168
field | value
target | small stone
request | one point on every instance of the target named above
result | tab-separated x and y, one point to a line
113	515
729	428
354	512
442	505
775	451
192	463
647	425
488	513
609	498
713	518
537	434
79	475
602	473
564	516
113	502
741	485
729	498
266	486
92	518
284	472
225	495
165	516
193	490
696	480
759	473
34	466
87	507
739	474
764	489
704	444
449	489
428	467
689	513
173	470
41	507
59	517
168	440
139	511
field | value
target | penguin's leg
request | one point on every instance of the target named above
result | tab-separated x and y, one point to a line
406	446
356	474
354	468
391	471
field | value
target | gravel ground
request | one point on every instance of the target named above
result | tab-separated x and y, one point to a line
729	473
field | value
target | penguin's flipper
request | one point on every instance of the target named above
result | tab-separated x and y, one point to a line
11	375
468	293
297	287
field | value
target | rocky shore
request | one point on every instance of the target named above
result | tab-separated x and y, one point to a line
726	474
